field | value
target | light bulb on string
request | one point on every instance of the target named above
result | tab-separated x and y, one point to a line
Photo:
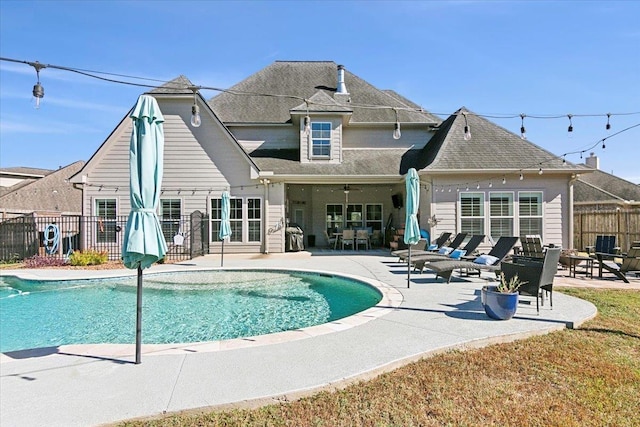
540	171
38	90
521	176
603	146
307	125
504	180
396	131
564	161
467	128
478	186
523	131
570	128
608	125
490	184
196	120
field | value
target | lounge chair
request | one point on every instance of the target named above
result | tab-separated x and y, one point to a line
490	261
421	259
457	241
630	263
437	245
420	246
604	245
538	275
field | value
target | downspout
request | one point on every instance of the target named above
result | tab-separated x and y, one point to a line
265	234
574	177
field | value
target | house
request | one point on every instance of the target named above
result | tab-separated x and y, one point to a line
41	192
312	144
13	178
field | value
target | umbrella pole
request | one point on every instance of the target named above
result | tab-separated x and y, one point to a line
139	317
222	255
409	267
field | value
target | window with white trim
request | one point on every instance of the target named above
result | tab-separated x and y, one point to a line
354	216
106	221
373	216
500	215
334	218
472	213
241	218
530	212
170	211
321	139
254	218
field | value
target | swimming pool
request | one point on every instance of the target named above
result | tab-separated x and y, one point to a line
181	307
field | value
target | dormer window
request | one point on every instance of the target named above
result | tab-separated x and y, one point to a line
321	139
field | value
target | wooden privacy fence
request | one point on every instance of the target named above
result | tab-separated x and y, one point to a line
30	235
622	223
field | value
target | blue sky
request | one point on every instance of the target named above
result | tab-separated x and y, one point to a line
493	57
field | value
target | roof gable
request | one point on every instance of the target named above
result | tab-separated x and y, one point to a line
491	147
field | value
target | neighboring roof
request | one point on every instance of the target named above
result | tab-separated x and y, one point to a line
291	82
601	187
54	192
25	171
358	162
179	85
491	147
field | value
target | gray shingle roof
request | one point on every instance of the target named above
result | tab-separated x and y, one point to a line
294	81
51	193
601	186
490	147
21	170
176	86
387	162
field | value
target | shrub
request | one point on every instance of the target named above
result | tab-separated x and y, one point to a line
38	261
88	257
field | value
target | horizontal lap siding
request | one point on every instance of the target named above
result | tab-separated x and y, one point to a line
376	138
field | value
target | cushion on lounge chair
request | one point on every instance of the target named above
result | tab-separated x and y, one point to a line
457	254
432	246
445	250
486	260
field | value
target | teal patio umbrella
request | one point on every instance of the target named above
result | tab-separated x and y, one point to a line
411	226
144	243
225	225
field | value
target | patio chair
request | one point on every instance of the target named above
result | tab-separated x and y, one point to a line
435	247
331	240
362	238
538	275
531	246
604	245
630	263
421	259
490	261
403	253
348	238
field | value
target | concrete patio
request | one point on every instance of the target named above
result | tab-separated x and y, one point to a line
97	384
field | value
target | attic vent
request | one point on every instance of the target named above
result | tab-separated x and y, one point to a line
342	88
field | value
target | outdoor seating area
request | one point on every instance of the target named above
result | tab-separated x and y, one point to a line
354	239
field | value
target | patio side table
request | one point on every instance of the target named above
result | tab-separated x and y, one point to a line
574	260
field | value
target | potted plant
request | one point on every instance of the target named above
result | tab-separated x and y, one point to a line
501	301
564	256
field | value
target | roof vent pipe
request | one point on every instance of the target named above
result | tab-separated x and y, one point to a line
342	88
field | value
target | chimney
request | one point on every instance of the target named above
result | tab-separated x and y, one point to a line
342	88
593	161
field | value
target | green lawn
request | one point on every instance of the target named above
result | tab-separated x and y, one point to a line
584	377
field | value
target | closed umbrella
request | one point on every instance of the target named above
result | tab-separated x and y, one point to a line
225	225
144	242
411	227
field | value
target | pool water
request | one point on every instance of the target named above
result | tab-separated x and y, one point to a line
177	307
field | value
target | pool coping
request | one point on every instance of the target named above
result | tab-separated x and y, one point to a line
391	299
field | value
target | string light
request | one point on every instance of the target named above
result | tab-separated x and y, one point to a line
523	131
467	129
504	180
608	126
38	90
307	121
196	120
540	171
570	128
521	176
396	132
490	184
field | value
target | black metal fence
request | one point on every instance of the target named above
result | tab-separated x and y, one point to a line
30	235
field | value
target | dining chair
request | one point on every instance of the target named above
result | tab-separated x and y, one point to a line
348	238
362	238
